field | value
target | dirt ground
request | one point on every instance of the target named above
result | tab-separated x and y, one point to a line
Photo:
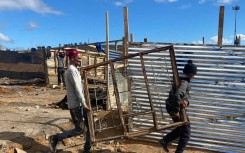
27	119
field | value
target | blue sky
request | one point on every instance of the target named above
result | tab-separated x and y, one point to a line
31	23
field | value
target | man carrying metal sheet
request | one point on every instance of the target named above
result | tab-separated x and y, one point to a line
179	98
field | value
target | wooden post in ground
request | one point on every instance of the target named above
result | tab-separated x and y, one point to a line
221	24
108	104
55	61
87	98
45	66
125	9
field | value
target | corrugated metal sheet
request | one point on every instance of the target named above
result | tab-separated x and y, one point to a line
217	105
114	54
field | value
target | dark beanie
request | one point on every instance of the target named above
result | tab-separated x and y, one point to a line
190	68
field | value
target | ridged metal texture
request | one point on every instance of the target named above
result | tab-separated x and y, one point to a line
217	104
114	54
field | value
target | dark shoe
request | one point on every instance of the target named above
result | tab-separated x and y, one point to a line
164	145
53	141
86	151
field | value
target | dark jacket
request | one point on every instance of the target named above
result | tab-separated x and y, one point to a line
177	96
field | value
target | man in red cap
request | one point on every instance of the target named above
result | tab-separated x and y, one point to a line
76	103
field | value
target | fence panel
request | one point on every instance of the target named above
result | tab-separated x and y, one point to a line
217	100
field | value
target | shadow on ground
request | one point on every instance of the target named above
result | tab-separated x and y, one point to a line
21	141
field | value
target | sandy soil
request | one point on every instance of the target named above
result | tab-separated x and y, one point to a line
27	120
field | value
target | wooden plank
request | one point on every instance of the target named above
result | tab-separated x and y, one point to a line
114	81
148	91
87	98
22	67
130	56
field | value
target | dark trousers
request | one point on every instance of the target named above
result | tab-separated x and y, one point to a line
77	115
61	75
182	132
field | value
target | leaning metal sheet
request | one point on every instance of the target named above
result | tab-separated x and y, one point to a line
217	102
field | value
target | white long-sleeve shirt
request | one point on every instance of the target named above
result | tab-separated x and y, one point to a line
74	88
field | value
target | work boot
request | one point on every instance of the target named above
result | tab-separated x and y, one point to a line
53	141
86	149
164	145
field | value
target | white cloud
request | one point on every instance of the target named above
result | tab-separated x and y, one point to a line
223	2
32	25
242	36
37	6
197	42
122	3
119	3
185	6
5	38
128	1
201	1
217	2
165	1
227	41
214	39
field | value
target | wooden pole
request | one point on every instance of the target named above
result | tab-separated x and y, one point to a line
55	61
45	66
117	96
221	25
108	104
116	46
95	69
239	41
107	35
148	90
126	31
87	98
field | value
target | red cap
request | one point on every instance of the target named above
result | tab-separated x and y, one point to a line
71	53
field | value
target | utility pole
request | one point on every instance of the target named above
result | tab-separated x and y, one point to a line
235	8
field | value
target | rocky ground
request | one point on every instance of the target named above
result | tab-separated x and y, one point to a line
27	119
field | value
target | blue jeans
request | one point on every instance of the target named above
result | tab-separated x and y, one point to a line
182	132
77	115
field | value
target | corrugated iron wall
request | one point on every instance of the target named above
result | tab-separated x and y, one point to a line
217	105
